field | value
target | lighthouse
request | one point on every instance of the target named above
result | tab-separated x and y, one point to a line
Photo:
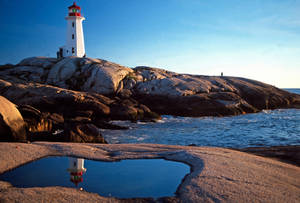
76	170
75	39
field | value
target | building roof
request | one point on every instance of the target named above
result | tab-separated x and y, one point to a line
74	6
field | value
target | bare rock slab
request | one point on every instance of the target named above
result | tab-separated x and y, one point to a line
217	175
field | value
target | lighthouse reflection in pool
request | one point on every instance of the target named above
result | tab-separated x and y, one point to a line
124	179
76	169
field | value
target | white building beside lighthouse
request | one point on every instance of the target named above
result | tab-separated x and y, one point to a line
75	39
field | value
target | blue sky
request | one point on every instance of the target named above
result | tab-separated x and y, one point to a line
257	39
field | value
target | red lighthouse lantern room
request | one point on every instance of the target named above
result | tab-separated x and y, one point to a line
74	10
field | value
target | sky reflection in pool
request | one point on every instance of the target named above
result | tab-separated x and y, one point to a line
124	179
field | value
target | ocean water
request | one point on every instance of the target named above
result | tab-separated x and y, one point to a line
267	128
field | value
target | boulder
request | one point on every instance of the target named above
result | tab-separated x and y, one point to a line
195	106
106	125
194	95
85	74
73	132
12	125
125	93
149	73
47	98
44	62
37	121
71	104
82	132
130	109
33	69
105	78
62	71
74	73
78	129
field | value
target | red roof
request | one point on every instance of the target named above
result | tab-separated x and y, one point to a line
74	6
79	173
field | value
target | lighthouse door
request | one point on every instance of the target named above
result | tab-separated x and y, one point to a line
60	52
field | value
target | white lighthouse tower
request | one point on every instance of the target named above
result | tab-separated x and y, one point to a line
75	38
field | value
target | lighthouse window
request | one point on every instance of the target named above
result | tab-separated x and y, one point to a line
73	50
73	24
72	36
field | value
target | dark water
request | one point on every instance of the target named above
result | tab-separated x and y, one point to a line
267	128
124	179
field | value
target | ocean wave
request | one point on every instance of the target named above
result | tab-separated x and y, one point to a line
267	128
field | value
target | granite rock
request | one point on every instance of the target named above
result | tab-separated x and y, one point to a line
12	125
164	92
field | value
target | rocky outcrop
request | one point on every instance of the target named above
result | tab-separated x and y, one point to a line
71	104
191	95
43	126
81	74
135	93
48	98
82	132
57	114
37	121
12	125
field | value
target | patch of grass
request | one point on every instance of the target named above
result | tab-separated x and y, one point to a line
131	76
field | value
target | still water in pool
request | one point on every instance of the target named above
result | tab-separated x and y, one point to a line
124	179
